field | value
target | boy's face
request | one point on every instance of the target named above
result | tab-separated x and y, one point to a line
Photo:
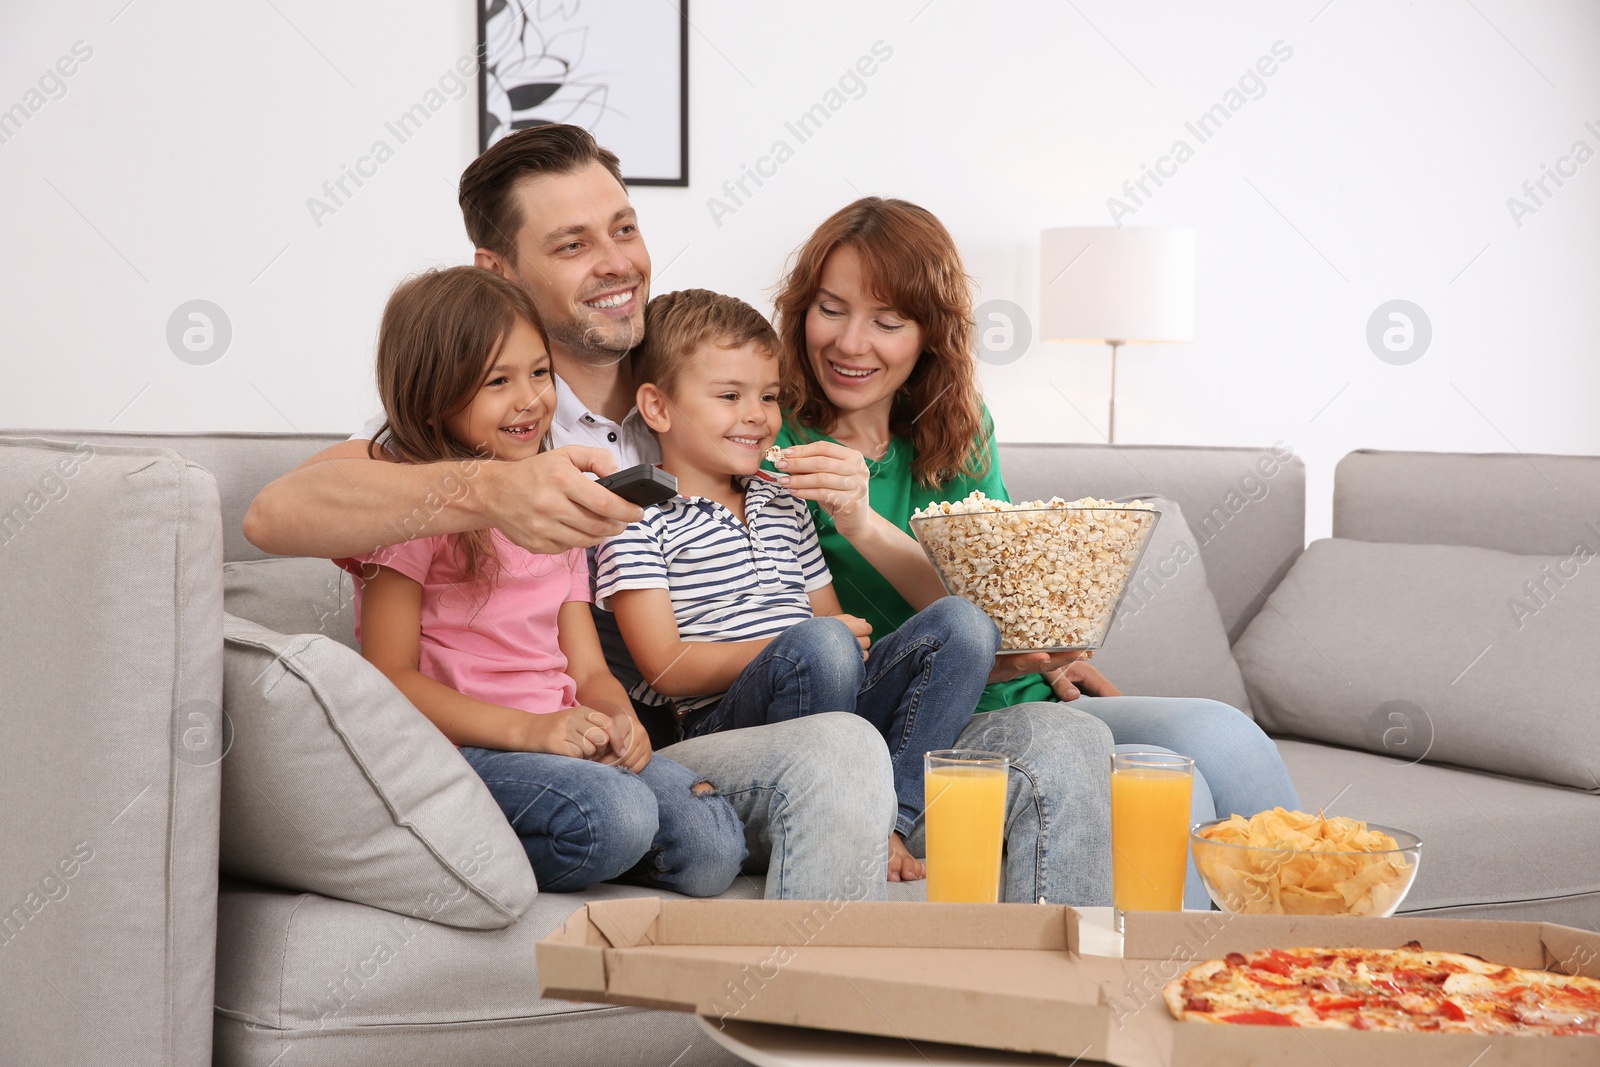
582	259
512	409
722	412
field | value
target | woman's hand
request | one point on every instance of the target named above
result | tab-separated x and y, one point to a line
1078	679
1010	665
835	477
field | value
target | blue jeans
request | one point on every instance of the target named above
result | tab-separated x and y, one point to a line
918	686
816	800
582	822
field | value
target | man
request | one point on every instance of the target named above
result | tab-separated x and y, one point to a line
546	208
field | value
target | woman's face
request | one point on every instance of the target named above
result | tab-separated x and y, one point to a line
861	350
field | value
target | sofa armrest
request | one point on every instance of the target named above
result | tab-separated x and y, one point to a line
111	581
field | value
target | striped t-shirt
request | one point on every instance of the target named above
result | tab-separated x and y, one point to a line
729	581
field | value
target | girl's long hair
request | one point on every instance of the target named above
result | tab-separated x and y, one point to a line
440	332
911	264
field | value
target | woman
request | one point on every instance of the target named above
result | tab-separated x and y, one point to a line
884	417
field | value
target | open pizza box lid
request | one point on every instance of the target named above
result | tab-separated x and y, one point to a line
1009	976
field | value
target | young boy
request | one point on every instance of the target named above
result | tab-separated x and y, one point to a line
722	594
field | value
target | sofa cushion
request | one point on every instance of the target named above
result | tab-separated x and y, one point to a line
1492	847
293	595
341	983
336	784
1168	639
1452	654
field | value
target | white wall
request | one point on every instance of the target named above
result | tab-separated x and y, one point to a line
1377	165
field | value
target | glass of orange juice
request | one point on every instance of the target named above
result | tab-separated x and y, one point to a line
1150	793
965	818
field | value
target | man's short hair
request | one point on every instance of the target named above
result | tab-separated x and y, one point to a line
677	324
489	205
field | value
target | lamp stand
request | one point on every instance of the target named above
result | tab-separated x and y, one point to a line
1111	415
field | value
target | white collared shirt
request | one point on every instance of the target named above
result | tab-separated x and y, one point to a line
630	440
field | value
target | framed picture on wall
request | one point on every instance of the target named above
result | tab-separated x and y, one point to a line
618	68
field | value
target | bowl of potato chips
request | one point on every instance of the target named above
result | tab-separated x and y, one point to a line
1290	863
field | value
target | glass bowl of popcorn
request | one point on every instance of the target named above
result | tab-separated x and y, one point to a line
1050	573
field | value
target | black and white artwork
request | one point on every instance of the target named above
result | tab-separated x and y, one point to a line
618	68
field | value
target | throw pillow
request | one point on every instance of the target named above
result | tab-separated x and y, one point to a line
334	783
1460	655
1168	638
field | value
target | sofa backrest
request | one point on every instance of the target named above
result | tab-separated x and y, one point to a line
1533	505
241	463
1246	506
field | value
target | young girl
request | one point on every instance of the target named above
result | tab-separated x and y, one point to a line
495	645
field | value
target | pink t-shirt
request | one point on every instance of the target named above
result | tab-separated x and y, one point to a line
501	649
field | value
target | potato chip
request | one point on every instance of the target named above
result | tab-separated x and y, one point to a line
1294	863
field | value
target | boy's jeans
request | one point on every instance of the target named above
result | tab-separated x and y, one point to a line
918	686
583	822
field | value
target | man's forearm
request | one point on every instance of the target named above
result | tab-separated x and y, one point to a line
347	506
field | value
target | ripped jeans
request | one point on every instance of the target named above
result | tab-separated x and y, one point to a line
582	822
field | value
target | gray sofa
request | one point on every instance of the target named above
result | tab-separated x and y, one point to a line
1431	667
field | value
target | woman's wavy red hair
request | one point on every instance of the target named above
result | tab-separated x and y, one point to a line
911	264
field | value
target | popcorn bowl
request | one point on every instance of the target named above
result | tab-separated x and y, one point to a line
1279	880
1051	576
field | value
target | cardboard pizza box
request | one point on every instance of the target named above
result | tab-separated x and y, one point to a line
1009	976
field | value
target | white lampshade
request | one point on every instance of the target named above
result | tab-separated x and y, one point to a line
1102	283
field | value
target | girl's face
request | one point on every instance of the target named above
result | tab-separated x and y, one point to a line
861	350
510	413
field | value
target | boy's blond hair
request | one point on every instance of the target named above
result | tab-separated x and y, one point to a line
677	324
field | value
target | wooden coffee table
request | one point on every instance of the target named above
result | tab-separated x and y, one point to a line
771	1045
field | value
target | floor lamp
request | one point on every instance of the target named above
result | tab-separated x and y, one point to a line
1116	286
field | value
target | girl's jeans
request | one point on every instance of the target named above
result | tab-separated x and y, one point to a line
583	822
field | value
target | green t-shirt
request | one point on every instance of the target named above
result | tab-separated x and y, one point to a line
895	494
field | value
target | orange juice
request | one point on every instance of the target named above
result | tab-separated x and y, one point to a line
965	819
1149	837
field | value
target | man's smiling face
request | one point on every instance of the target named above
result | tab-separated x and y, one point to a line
581	257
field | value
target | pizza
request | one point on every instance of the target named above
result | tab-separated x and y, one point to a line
1383	989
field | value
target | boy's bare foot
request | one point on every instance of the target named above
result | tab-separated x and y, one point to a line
903	866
